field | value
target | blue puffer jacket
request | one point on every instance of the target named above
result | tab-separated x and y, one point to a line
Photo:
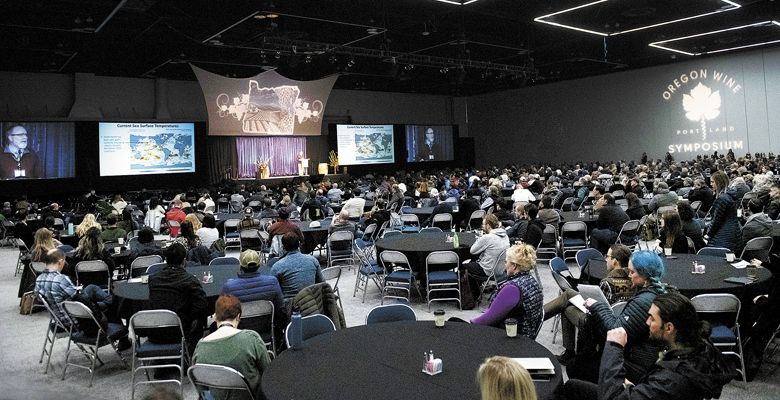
724	229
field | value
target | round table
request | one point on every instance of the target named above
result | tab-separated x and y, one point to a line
134	296
678	274
384	361
417	246
568	216
313	236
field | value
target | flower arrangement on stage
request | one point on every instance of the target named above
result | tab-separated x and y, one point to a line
262	167
334	161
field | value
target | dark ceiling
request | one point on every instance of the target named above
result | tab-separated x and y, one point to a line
421	46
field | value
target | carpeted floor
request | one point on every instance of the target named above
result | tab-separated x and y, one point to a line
21	339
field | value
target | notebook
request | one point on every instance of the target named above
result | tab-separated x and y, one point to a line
592	291
537	365
740	280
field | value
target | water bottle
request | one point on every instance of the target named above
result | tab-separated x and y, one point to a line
70	228
455	241
296	331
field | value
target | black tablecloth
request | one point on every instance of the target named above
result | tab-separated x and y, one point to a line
678	274
567	216
384	361
312	237
417	246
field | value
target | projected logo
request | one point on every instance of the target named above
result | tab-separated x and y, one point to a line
269	110
702	107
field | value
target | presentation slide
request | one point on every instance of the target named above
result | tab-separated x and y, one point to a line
34	150
133	148
365	144
426	143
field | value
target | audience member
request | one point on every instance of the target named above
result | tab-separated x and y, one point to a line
208	233
86	224
773	208
283	226
724	229
672	235
635	208
91	248
609	223
501	378
112	233
535	229
692	227
355	205
547	213
758	224
488	247
144	245
22	230
295	270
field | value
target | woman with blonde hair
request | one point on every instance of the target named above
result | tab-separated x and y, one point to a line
86	224
44	241
519	296
193	219
500	378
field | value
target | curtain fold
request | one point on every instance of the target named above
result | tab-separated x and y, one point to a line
280	152
222	157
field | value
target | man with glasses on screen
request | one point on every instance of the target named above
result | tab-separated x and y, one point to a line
430	149
17	161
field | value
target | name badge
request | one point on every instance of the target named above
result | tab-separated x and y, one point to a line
19	173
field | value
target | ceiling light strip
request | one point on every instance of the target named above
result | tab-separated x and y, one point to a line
762	23
541	19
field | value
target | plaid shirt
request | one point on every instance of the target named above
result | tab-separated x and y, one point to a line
56	288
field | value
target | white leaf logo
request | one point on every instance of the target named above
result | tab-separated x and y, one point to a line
702	105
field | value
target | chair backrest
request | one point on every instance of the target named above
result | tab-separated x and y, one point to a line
718	304
312	325
93	271
143	321
258	315
390	313
443	257
574	227
142	263
80	313
218	377
696	205
341	239
558	265
567	203
499	267
691	245
713	251
443	221
331	273
555	269
231	225
225	261
55	317
431	229
757	248
410	219
585	255
369	232
392	259
618	307
38	266
630	228
475	220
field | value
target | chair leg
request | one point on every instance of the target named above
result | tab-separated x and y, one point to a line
67	357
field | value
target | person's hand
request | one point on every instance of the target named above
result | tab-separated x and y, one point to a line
589	302
617	335
755	262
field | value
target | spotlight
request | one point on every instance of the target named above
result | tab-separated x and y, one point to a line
308	59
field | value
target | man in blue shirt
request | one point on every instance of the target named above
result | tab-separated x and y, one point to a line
295	270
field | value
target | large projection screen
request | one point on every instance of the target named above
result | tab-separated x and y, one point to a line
133	148
365	144
33	150
265	104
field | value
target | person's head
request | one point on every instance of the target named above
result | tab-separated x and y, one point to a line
54	207
91	244
489	222
175	255
672	226
520	210
111	219
685	211
145	235
720	181
501	378
672	319
774	191
176	203
17	137
520	258
343	215
186	230
645	268
608	198
249	260
284	213
598	191
429	135
209	221
547	201
531	210
227	308
54	259
89	219
194	221
617	256
290	241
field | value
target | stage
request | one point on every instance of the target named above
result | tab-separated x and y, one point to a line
278	180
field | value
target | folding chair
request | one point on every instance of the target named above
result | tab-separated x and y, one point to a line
55	329
173	228
24	253
475	220
329	274
410	223
311	326
147	354
89	336
618	307
442	221
431	229
365	244
231	236
498	271
258	315
583	257
629	234
224	261
223	205
557	268
567	204
340	246
368	271
399	275
619	194
249	238
574	237
94	272
696	205
757	248
59	224
719	307
210	376
550	244
446	280
713	251
155	268
139	266
390	313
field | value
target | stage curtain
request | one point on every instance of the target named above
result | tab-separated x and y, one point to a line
222	157
281	151
55	148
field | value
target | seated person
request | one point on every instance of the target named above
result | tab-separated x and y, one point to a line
187	236
501	378
519	296
691	368
295	270
635	208
268	211
618	285
691	226
240	349
334	194
645	268
518	228
488	247
283	226
145	245
112	233
672	236
535	230
249	221
758	224
86	224
208	233
91	248
609	223
22	230
341	222
177	290
773	208
355	205
547	213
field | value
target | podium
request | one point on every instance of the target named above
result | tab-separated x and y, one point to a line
303	166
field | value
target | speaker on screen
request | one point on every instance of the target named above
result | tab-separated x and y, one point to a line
34	150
